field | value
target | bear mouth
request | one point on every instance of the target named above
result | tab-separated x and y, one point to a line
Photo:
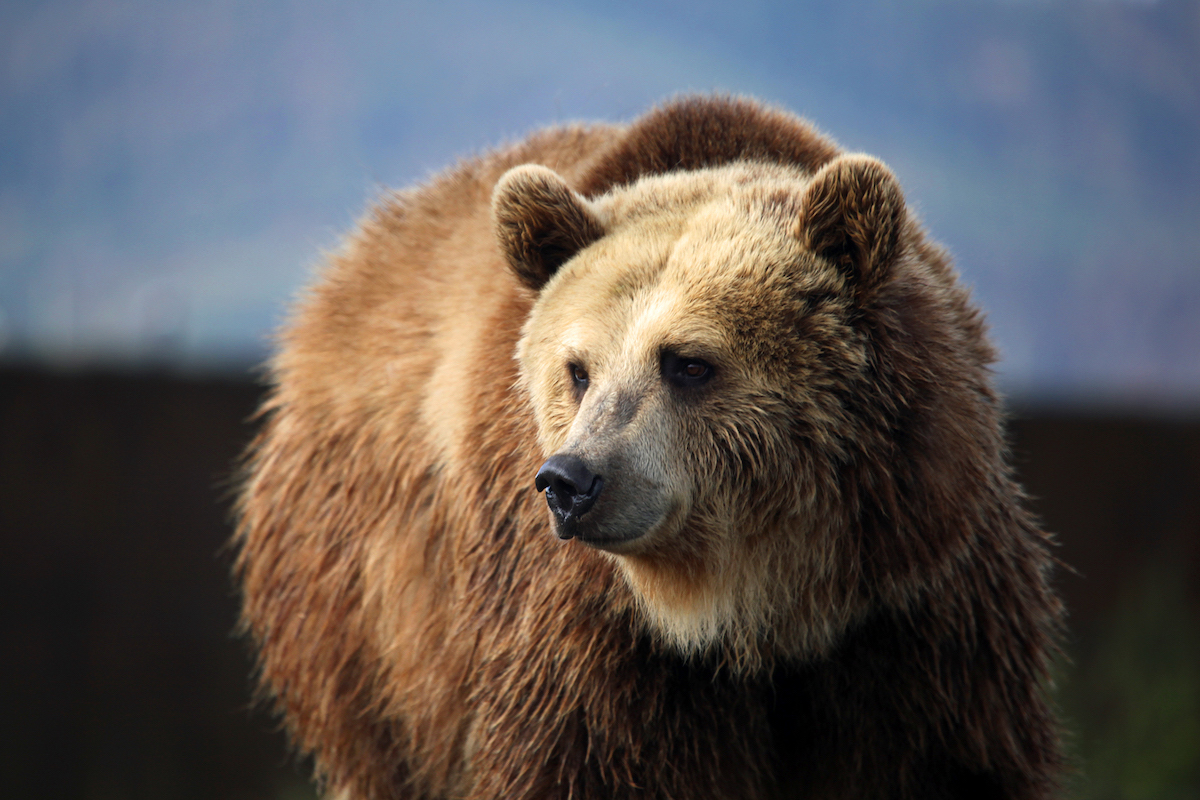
613	544
572	527
622	533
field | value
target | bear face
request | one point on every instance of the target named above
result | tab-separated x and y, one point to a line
682	358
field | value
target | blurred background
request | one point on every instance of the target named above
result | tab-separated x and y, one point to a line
170	175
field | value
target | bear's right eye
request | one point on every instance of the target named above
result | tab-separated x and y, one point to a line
579	377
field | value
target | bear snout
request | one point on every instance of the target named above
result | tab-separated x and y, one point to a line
571	490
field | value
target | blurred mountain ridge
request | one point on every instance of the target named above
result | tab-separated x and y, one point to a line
170	174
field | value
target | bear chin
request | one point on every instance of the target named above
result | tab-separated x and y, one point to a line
742	620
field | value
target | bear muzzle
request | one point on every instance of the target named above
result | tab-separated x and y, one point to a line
571	491
620	512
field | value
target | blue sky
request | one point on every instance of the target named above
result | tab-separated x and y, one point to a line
171	173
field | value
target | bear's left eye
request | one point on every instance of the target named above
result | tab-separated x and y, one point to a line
686	372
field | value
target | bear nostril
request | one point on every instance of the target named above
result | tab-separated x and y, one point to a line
585	500
571	488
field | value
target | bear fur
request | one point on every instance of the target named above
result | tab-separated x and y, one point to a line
796	563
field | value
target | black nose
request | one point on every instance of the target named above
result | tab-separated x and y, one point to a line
571	489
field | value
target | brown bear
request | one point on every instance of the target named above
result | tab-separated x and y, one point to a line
779	551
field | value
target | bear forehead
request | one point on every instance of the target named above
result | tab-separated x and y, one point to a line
694	258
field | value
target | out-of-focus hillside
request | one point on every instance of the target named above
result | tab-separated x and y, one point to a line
169	173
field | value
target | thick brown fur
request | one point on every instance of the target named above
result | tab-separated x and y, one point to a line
425	635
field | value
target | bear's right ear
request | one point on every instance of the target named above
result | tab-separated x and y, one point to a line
540	222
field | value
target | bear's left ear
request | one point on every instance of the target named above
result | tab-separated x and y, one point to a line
853	215
540	222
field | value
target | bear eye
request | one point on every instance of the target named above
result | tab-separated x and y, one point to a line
579	376
686	372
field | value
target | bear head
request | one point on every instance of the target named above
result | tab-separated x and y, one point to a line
719	412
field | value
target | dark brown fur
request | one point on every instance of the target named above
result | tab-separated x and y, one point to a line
425	636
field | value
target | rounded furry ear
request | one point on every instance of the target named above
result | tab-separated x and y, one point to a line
540	222
853	215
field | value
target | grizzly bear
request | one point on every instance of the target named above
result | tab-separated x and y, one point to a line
648	461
